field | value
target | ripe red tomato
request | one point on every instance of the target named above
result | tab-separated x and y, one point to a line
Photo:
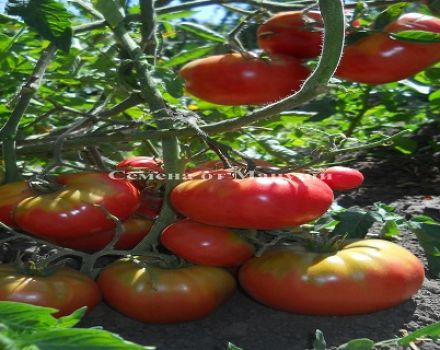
71	212
65	290
342	178
372	60
292	33
253	202
141	162
205	244
233	80
10	195
135	229
362	277
164	295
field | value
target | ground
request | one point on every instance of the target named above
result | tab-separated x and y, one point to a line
409	183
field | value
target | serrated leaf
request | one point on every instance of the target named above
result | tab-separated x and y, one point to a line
390	14
112	11
48	17
187	56
319	342
418	36
357	344
431	331
80	339
355	223
390	229
202	32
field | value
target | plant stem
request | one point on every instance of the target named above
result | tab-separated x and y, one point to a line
358	117
9	130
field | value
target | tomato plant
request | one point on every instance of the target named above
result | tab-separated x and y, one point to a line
294	33
65	290
232	79
254	202
342	178
164	295
205	244
73	211
363	276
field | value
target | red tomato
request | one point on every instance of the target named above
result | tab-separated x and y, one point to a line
362	277
164	295
71	212
205	244
253	202
65	290
414	21
233	80
292	33
10	195
135	229
342	178
141	162
151	204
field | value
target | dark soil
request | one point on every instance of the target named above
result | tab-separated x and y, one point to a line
409	183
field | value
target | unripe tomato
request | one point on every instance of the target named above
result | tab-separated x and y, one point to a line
164	295
205	244
65	290
292	33
342	178
363	276
233	80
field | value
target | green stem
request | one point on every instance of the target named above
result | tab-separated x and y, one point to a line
358	117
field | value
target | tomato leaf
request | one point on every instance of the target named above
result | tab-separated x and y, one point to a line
431	331
389	15
419	36
202	32
357	344
72	319
186	56
48	17
112	11
319	342
355	223
7	343
274	147
390	229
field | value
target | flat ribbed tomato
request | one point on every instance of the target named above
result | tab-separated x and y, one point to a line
379	59
342	178
72	211
164	295
362	277
206	244
253	202
65	290
292	33
233	80
10	195
135	229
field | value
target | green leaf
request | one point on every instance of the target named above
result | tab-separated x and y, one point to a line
424	218
48	17
319	342
202	32
355	223
431	331
233	347
175	15
112	11
72	319
187	56
389	15
420	36
428	235
390	229
275	148
405	145
357	344
80	339
7	343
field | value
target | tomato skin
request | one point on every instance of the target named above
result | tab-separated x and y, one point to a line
414	21
10	195
233	80
141	162
364	276
253	202
70	213
342	178
286	33
205	244
159	295
66	290
135	229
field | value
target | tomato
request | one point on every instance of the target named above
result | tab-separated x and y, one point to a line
10	195
372	59
292	33
135	229
65	290
205	244
233	80
253	202
141	162
342	178
362	277
72	211
164	295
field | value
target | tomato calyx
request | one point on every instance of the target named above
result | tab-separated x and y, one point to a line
35	266
43	184
157	260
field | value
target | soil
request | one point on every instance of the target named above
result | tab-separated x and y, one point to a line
409	183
